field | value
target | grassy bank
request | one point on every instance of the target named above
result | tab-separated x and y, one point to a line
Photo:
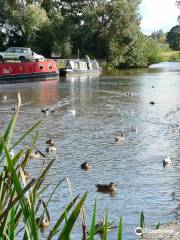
173	56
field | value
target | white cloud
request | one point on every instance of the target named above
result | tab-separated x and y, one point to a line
158	14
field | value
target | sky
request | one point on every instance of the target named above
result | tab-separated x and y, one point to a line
158	14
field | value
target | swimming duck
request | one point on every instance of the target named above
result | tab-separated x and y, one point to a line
73	112
14	108
45	221
85	166
35	155
50	141
111	187
51	148
167	161
152	102
120	137
52	110
134	129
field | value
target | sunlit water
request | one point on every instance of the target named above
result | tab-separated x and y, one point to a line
103	109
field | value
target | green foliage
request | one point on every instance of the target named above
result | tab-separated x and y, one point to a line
120	229
18	199
142	220
173	38
168	55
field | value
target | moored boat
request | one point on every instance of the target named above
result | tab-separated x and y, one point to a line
16	71
79	66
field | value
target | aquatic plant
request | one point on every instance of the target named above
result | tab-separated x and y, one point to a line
18	199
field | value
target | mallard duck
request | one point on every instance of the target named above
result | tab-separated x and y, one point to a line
85	166
50	141
111	187
152	102
35	155
43	221
51	148
120	137
134	129
167	160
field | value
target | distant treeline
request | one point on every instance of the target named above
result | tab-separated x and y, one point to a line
103	29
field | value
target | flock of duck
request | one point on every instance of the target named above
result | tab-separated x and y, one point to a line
50	148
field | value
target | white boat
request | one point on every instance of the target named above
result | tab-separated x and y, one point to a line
79	66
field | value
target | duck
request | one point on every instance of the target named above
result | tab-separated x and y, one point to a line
134	129
111	187
85	166
14	108
167	161
45	111
45	221
50	141
152	102
120	137
73	112
51	148
35	155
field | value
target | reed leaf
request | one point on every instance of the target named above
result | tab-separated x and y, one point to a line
93	223
61	218
13	124
158	226
64	235
12	224
31	228
105	226
120	229
142	221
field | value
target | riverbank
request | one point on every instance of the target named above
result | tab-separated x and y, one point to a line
170	56
170	231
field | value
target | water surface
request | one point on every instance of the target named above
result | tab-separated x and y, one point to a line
103	109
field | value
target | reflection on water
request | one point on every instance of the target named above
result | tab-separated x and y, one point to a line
103	109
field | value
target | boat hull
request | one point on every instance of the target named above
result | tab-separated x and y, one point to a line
13	72
67	72
34	77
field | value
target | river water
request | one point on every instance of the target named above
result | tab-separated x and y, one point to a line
103	109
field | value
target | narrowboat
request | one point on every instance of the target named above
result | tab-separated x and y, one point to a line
16	71
79	66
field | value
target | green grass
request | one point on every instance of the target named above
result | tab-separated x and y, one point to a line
170	56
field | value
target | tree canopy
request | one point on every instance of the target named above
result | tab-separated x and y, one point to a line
173	37
104	29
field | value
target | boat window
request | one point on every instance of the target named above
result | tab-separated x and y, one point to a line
41	67
50	66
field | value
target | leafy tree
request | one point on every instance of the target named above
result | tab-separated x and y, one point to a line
173	37
107	27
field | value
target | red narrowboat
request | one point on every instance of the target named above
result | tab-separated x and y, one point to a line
12	72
